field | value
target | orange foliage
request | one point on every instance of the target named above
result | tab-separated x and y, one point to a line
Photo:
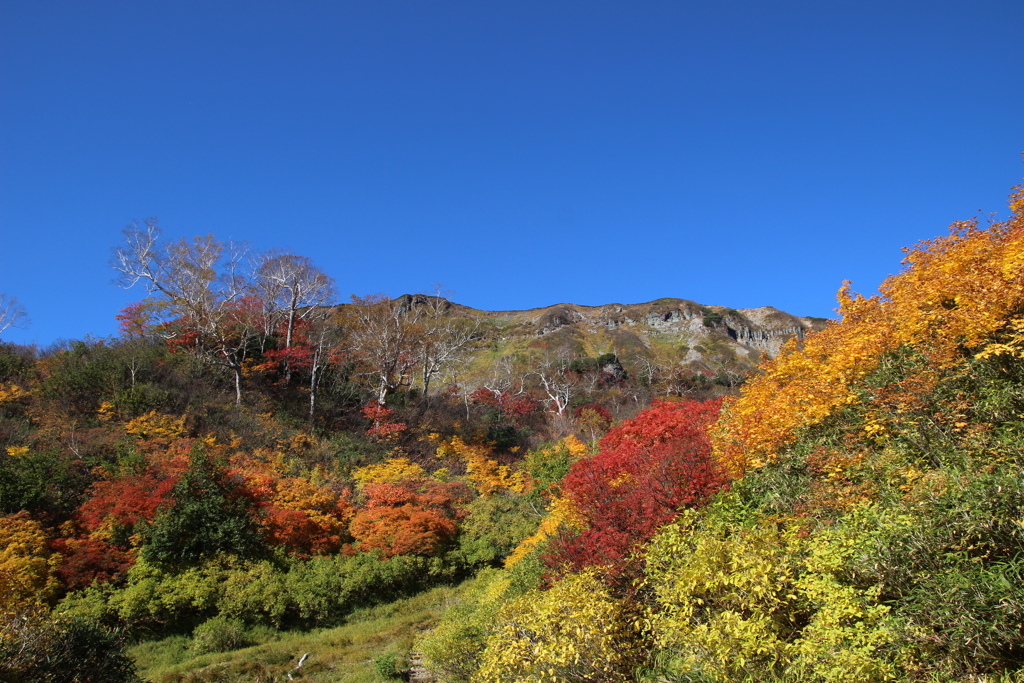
409	517
305	518
955	294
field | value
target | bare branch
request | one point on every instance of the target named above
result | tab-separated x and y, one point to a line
12	313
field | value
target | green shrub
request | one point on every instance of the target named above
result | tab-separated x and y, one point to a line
454	647
220	634
495	526
386	666
43	648
207	517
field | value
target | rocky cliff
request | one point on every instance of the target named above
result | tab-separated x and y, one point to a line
670	331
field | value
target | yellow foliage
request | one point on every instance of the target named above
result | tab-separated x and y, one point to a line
9	393
721	598
154	425
577	449
389	471
1013	346
575	631
955	292
318	502
569	444
107	412
486	475
300	442
26	566
735	602
17	451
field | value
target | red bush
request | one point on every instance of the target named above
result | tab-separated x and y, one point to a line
648	468
90	559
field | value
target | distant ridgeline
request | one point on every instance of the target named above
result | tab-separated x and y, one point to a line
666	342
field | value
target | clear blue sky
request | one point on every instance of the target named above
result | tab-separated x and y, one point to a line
522	153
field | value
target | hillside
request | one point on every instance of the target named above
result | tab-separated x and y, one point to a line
231	482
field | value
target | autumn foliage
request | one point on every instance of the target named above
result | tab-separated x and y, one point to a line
26	566
415	517
646	470
953	296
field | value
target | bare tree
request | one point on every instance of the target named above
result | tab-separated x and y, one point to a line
444	339
507	377
200	292
290	286
557	381
322	337
12	313
384	334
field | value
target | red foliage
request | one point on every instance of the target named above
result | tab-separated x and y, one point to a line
90	559
305	533
663	422
298	533
108	518
125	501
297	358
182	340
409	517
136	319
515	407
382	426
648	468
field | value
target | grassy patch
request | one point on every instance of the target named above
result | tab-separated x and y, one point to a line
346	653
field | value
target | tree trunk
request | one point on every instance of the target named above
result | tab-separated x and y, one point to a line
314	379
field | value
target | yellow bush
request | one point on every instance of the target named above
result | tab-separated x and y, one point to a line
154	425
486	475
575	631
389	471
26	565
10	393
736	602
724	601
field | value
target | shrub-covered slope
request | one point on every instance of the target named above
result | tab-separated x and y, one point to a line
869	520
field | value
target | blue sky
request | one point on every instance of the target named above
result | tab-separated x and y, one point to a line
521	153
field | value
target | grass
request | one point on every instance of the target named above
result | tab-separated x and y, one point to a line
345	653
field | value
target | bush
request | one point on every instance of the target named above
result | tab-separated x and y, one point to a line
209	516
220	634
495	526
42	648
386	666
574	632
